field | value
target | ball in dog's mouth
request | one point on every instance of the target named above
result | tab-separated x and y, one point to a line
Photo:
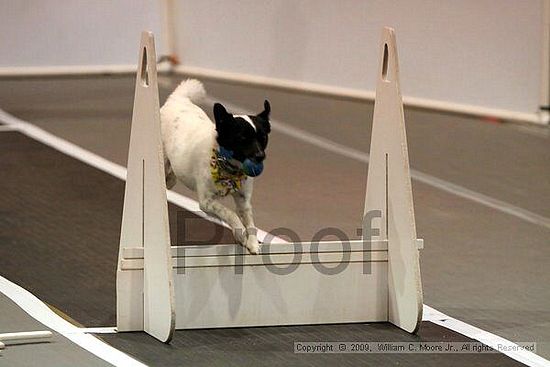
252	168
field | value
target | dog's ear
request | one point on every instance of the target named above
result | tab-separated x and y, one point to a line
220	113
265	113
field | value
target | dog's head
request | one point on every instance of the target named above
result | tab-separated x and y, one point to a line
245	136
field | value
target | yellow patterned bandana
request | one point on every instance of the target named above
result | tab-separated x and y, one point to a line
226	178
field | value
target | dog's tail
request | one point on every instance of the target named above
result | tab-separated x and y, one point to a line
190	88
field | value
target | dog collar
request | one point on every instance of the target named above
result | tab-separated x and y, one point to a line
226	171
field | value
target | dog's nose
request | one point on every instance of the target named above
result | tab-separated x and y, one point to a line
259	156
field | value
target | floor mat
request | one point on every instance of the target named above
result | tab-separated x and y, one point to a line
274	346
59	232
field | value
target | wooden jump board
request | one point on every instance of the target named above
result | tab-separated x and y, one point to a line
326	252
221	286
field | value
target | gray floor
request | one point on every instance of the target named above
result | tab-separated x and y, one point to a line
273	346
61	219
58	348
479	265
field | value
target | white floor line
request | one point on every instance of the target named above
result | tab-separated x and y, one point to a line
494	341
116	170
438	183
38	310
98	330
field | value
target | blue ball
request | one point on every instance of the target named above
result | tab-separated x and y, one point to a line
251	168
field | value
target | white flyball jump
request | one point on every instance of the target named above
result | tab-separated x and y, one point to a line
377	279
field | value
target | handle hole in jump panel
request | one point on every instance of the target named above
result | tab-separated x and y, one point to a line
385	62
144	69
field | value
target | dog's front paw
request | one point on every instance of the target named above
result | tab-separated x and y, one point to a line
252	245
240	236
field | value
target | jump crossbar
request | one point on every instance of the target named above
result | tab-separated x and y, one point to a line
161	287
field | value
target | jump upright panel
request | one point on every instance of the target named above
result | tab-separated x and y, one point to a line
145	300
389	191
369	280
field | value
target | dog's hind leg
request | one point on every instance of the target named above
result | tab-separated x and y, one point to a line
169	174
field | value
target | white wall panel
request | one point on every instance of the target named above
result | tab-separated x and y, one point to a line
476	52
483	53
77	32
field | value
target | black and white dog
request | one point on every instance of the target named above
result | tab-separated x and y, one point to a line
215	160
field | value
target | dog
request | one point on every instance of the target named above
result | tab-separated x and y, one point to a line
215	159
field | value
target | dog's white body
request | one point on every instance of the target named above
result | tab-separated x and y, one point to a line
189	136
